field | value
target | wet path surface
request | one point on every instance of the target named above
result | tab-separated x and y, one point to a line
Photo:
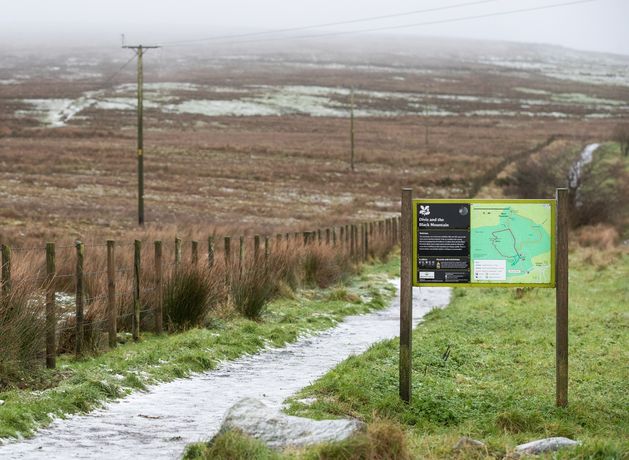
158	424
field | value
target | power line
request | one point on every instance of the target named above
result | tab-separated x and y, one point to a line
329	24
406	26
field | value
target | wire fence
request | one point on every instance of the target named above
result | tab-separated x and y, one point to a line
99	289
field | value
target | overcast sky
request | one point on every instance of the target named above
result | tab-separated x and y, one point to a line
599	25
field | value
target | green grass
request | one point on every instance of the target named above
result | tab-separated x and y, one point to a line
498	382
81	385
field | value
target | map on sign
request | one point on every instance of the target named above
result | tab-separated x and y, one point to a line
484	243
511	243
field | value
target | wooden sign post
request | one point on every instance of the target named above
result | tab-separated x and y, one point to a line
484	243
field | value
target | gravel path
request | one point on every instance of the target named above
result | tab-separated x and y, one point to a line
159	423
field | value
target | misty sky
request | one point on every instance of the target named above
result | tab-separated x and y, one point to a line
600	25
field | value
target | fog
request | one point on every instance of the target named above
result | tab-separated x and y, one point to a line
597	25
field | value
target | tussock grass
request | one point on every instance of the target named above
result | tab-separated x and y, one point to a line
190	294
22	326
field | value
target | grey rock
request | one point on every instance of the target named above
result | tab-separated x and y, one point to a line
466	443
545	445
279	430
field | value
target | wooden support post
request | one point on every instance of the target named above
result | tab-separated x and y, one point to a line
6	269
159	289
194	254
366	239
306	236
177	252
406	296
561	295
210	251
327	236
319	239
342	236
333	236
256	247
79	299
267	249
112	311
347	238
241	256
137	256
51	318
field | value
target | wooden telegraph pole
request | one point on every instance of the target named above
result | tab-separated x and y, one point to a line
351	127
140	50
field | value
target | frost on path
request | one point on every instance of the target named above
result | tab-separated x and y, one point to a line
158	424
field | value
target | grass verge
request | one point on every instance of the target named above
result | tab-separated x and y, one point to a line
81	385
496	383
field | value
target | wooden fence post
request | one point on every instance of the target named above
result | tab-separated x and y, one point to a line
137	256
366	238
561	297
177	252
6	269
333	236
194	254
241	256
112	311
256	247
210	251
352	246
159	289
319	239
342	236
406	296
79	298
267	249
228	258
51	318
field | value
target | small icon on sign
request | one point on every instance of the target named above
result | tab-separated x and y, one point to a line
463	210
424	210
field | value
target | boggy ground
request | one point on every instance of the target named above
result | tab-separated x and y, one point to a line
260	140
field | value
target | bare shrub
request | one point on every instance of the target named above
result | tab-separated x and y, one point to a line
539	175
621	135
601	196
599	236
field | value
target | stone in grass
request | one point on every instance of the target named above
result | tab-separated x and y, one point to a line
468	443
545	445
278	430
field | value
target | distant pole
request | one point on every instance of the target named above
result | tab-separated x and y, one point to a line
351	127
561	293
406	296
139	51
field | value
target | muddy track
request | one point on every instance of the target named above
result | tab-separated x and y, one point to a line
159	423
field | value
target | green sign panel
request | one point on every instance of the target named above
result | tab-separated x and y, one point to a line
484	243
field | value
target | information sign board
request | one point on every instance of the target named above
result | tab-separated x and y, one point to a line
484	243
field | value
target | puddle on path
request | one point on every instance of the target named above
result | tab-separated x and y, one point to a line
158	424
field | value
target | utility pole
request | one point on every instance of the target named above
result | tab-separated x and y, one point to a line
351	127
139	51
